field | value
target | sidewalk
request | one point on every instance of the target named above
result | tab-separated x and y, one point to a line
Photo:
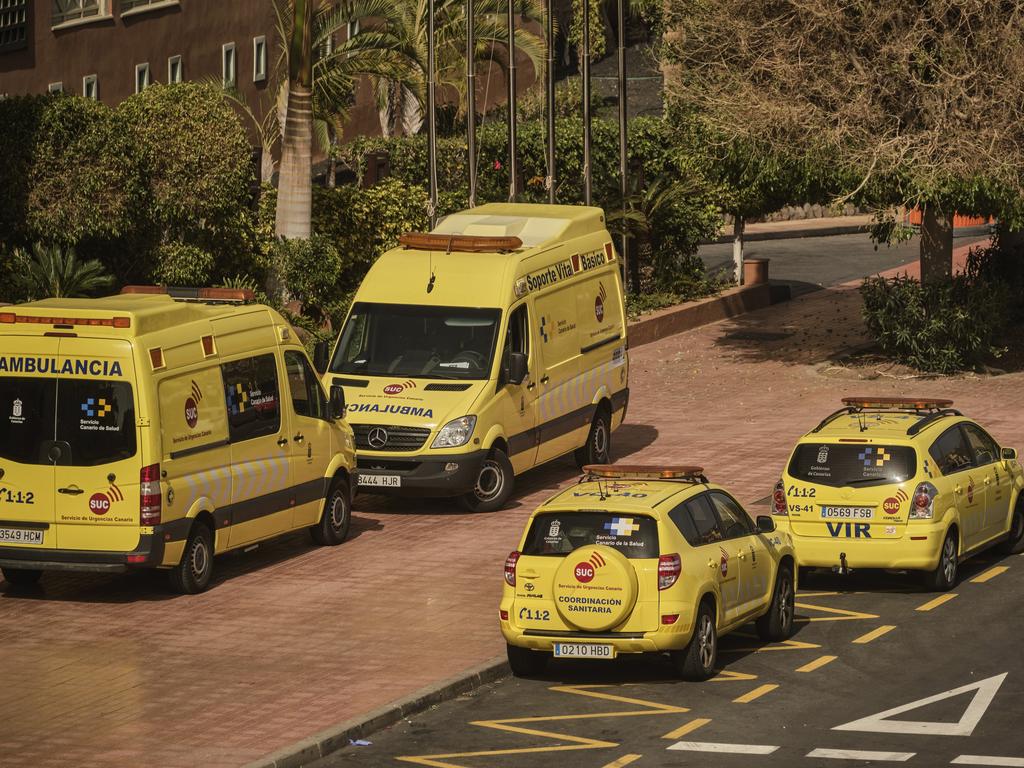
823	227
293	639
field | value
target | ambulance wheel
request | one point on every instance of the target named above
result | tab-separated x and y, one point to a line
493	484
777	625
336	519
697	661
1014	545
192	575
524	662
943	577
598	448
22	577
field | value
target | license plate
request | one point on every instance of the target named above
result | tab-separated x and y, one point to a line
21	536
584	651
381	481
846	513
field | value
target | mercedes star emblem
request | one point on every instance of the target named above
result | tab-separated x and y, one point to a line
377	437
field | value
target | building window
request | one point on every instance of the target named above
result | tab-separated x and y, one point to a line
259	58
174	69
228	69
90	87
55	87
13	25
131	5
141	77
71	10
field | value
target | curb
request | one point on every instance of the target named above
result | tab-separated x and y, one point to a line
332	739
793	234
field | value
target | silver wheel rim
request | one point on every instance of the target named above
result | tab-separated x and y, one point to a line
1018	527
600	442
338	513
199	560
785	602
490	481
706	642
949	560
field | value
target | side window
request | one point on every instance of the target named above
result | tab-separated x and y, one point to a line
983	447
704	520
308	397
518	337
251	392
735	521
684	522
951	452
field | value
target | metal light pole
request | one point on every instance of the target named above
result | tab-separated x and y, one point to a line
587	197
471	102
513	167
431	131
550	89
623	137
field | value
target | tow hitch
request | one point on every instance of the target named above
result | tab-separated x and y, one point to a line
842	569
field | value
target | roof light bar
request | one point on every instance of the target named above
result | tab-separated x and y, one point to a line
643	472
916	403
109	322
429	241
192	294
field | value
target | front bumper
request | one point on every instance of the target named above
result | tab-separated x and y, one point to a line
423	475
148	554
917	550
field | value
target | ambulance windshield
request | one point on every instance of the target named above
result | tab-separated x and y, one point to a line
420	342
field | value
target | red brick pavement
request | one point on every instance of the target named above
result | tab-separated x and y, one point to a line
100	670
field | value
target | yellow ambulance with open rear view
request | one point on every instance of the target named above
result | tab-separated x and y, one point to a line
140	431
474	352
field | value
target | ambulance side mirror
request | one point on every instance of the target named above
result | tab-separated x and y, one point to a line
765	524
517	369
1008	454
337	402
321	356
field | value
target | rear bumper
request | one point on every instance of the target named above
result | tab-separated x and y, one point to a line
423	475
148	554
917	550
624	642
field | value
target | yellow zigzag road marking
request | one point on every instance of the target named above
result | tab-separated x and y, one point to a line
576	742
623	761
841	614
785	645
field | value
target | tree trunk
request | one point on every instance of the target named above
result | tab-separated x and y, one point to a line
295	182
936	245
737	248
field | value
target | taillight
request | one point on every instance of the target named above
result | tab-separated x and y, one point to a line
510	568
779	499
149	495
922	502
669	568
503	615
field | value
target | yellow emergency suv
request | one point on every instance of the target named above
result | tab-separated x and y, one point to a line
139	431
900	483
637	559
474	352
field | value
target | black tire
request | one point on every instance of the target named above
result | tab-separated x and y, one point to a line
332	529
777	625
1014	544
22	577
494	484
193	574
697	661
944	576
598	448
524	662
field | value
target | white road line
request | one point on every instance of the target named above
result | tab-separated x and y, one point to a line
1005	762
734	749
860	754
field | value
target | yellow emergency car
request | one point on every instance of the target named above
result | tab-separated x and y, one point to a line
900	483
479	350
141	431
637	559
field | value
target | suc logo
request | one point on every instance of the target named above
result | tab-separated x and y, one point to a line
99	504
396	389
584	572
192	406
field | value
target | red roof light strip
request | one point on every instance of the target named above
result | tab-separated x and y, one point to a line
110	322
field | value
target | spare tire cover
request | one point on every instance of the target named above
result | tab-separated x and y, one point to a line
595	588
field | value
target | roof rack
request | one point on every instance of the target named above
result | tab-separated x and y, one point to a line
643	472
199	295
852	405
429	241
930	419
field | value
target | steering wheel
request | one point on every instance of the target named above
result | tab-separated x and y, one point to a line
470	356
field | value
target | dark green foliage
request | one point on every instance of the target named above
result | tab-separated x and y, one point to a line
183	264
20	117
55	272
941	328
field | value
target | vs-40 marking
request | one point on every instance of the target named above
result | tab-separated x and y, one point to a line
852	530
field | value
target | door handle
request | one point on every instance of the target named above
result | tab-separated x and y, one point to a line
742	555
70	490
712	565
299	437
283	442
958	489
988	481
545	379
531	385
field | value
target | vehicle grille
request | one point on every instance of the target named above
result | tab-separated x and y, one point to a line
398	438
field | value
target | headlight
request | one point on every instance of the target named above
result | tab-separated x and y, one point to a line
455	433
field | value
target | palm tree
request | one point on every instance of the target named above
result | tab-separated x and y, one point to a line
52	272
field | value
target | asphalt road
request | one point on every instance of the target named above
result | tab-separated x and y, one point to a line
866	644
810	263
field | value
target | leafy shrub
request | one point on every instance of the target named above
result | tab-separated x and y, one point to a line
55	272
1000	264
183	264
310	269
942	327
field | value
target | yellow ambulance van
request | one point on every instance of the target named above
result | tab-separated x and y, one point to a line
481	349
143	431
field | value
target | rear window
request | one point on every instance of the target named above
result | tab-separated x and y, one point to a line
559	533
71	422
852	465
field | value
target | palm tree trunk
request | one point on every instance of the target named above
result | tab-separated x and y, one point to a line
295	183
